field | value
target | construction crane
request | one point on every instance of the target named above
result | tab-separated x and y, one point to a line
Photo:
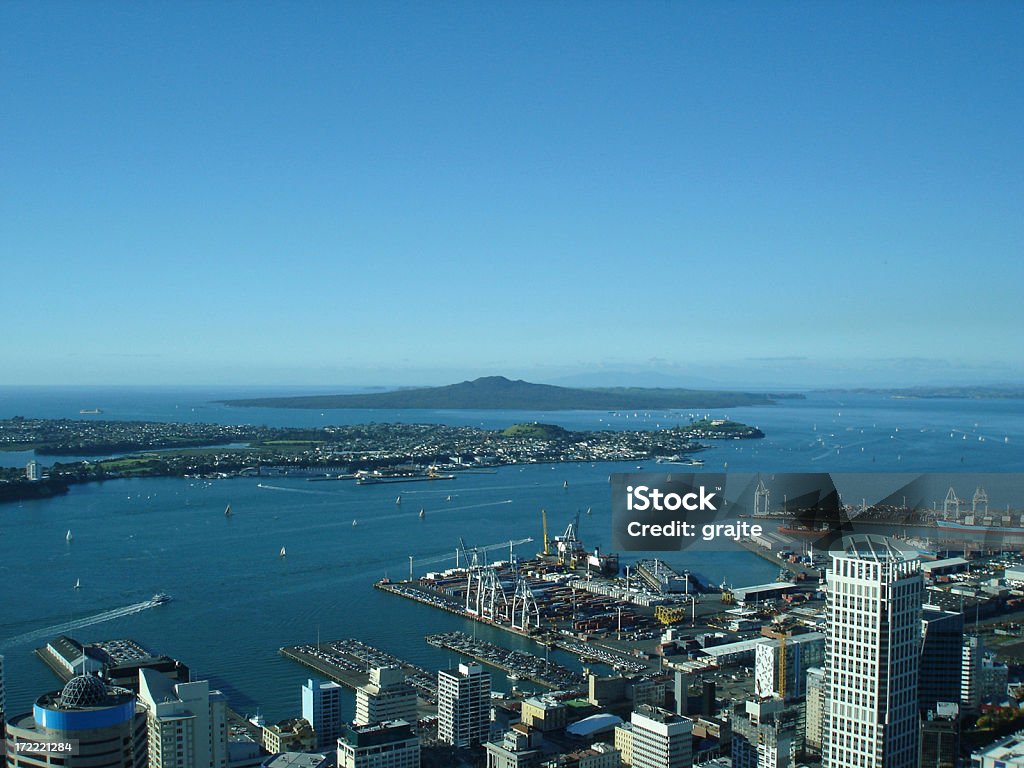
782	666
544	521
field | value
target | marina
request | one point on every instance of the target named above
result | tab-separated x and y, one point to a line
518	664
348	663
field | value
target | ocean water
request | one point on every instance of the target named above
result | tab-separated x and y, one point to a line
236	602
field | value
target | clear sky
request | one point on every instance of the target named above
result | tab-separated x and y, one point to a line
402	193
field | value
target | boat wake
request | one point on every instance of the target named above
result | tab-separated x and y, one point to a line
70	626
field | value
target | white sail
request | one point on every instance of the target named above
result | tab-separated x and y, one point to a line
68	537
282	553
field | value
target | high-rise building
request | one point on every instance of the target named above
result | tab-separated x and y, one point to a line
814	709
187	722
802	652
764	734
983	679
940	736
107	723
661	739
33	471
321	708
873	620
464	705
381	745
942	637
387	696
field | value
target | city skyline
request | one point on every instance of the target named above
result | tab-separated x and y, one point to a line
404	194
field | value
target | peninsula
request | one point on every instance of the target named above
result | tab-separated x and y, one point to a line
500	393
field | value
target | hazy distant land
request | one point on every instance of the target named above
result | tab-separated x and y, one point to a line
499	393
935	392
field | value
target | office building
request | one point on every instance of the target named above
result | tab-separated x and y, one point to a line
942	637
387	696
520	747
33	471
186	722
802	652
764	734
321	708
661	739
814	709
463	705
873	630
381	745
940	736
983	679
107	722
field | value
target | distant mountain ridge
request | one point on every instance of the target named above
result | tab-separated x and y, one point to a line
500	393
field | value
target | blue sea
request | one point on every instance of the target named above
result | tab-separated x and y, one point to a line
236	602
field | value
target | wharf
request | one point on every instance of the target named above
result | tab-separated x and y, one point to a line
521	665
767	554
348	662
411	591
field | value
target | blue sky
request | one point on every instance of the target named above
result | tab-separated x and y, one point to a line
402	193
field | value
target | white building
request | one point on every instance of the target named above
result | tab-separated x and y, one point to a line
661	739
464	705
321	708
802	652
385	697
983	679
1005	753
381	745
187	722
873	615
33	471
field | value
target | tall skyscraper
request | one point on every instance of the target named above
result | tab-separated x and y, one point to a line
661	739
321	708
464	705
873	615
107	723
385	697
187	722
942	637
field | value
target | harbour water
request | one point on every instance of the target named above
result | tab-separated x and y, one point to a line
236	601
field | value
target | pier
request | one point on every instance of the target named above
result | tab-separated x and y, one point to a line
518	664
348	662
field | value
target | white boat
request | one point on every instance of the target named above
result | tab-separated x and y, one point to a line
282	553
588	510
449	498
78	583
398	500
227	511
355	523
422	514
565	483
68	537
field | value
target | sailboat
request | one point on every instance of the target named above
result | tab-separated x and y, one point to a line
398	500
355	523
68	537
588	510
565	483
422	514
78	583
282	553
227	511
449	498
